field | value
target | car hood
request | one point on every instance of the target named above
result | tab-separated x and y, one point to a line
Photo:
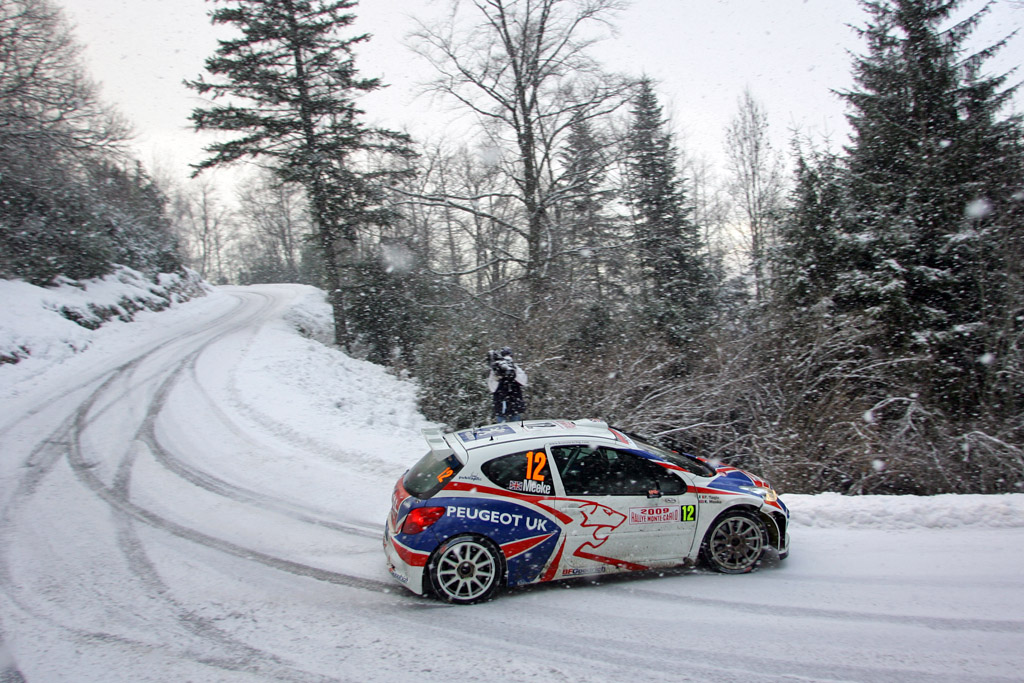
733	480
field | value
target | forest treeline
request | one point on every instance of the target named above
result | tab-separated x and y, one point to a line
852	325
72	203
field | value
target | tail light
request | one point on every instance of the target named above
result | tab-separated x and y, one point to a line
419	519
397	498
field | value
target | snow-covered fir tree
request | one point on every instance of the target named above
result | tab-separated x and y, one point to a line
591	241
932	176
288	86
669	244
805	259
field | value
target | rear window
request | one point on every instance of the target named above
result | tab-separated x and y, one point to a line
526	472
430	474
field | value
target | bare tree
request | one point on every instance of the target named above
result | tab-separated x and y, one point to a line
757	184
464	215
710	214
521	68
45	95
204	225
274	219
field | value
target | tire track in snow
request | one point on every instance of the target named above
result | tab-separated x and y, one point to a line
598	650
933	623
118	499
64	442
41	460
240	656
219	486
46	403
84	471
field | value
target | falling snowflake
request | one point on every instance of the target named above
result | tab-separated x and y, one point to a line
979	208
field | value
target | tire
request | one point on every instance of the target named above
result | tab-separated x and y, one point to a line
735	543
466	569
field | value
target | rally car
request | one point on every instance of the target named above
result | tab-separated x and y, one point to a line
526	502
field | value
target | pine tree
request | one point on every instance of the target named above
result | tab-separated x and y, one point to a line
668	241
589	236
290	83
931	171
805	259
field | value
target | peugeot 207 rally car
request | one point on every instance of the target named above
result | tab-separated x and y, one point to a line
519	503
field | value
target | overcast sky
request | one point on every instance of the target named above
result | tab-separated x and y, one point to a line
702	54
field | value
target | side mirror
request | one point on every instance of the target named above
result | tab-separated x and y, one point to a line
654	492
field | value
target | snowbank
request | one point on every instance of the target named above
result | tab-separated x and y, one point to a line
291	379
832	510
52	323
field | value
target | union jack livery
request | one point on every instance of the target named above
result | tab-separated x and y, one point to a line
520	503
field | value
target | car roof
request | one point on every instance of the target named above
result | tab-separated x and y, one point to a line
464	441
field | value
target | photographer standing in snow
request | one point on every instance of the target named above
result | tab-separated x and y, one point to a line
506	381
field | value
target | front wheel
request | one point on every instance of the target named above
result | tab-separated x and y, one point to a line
735	543
466	569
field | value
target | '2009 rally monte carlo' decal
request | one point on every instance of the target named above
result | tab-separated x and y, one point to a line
657	515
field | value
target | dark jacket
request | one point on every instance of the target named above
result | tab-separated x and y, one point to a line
506	381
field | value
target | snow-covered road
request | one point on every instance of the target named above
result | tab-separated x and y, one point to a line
200	495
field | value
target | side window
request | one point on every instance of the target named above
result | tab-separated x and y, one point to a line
633	475
590	471
527	472
584	470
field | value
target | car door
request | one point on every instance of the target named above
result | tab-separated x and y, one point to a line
626	510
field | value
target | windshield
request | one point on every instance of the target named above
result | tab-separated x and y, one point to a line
687	462
431	473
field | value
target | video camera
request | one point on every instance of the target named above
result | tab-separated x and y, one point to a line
501	363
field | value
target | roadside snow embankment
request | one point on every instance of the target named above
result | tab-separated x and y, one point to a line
832	510
49	324
294	384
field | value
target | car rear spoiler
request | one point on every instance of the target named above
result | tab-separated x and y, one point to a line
438	445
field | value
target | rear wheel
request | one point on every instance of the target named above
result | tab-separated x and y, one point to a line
735	543
466	569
